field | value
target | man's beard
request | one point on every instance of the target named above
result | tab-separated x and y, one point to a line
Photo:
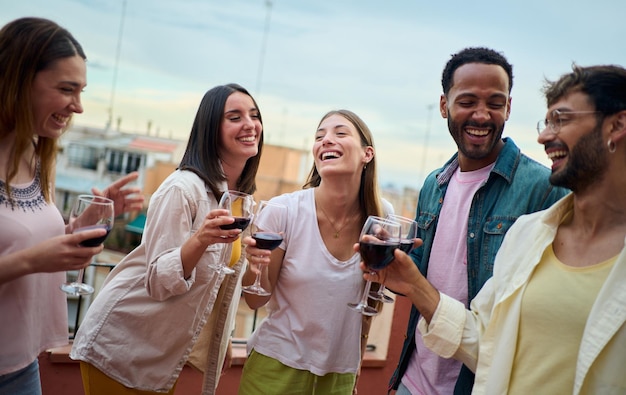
586	163
470	151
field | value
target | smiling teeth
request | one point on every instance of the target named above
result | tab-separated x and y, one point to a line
556	154
248	139
475	132
327	155
59	118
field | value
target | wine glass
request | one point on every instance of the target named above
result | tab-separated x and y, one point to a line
239	205
88	212
377	242
268	226
408	232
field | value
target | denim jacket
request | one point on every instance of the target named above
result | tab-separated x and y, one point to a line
516	185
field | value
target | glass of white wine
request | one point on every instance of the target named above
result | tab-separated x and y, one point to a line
239	205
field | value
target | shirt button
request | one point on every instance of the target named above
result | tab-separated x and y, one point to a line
471	235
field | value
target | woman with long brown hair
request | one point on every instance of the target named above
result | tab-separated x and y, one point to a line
42	75
310	338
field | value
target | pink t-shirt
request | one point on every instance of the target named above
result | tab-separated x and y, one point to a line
427	373
32	307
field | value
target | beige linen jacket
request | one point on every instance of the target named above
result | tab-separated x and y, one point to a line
142	326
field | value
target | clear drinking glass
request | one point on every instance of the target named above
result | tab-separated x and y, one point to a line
88	212
239	205
408	232
267	227
377	242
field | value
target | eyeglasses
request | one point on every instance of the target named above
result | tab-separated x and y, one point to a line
559	118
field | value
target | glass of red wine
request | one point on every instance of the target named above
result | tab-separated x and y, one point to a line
267	230
239	205
379	238
88	212
408	232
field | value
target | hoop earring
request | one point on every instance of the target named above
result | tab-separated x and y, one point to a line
611	145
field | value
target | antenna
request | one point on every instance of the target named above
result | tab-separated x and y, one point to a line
430	108
268	15
117	60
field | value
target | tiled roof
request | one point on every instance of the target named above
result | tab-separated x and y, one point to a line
153	145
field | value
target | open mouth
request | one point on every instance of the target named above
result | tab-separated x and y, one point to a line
60	119
556	155
477	132
330	155
247	139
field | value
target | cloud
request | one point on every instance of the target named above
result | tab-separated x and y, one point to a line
382	60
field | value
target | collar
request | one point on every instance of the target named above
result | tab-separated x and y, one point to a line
505	166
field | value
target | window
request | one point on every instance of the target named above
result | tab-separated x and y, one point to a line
123	162
82	156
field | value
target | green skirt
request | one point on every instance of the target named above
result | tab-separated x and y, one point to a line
266	376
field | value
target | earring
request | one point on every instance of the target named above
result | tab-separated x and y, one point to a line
611	145
365	166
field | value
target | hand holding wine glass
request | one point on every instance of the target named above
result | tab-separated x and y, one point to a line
267	226
377	242
239	205
408	232
88	212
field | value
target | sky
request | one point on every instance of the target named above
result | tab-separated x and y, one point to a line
149	62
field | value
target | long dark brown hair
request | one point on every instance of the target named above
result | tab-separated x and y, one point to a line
202	152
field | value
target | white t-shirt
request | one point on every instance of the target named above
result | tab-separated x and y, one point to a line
309	325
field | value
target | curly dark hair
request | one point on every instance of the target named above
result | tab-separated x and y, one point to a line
474	55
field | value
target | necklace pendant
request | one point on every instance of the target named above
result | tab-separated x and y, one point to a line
336	235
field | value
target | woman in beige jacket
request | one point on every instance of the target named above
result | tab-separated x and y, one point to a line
170	291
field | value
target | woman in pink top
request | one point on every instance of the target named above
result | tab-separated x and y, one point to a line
42	69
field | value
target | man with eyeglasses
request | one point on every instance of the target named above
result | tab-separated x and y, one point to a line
466	207
552	319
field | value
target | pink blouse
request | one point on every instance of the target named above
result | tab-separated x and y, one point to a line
32	307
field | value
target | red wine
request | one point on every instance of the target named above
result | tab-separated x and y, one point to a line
96	241
240	223
406	245
267	240
377	255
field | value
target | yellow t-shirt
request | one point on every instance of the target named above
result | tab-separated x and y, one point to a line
555	307
199	353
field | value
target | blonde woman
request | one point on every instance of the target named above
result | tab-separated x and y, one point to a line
311	339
